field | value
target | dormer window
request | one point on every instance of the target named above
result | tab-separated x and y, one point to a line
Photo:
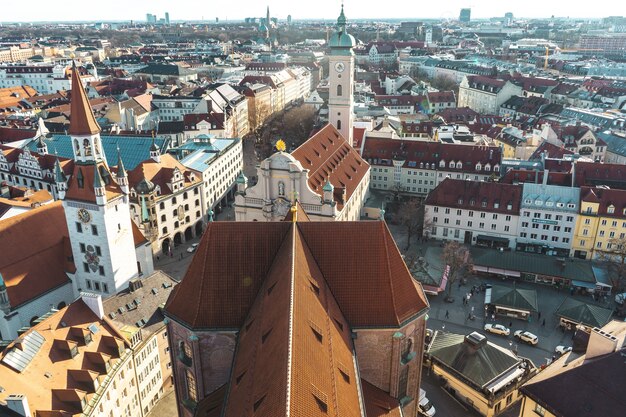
460	200
442	164
610	209
487	167
538	202
73	351
478	167
451	164
484	202
459	165
496	168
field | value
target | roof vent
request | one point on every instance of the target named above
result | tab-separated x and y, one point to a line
135	284
476	340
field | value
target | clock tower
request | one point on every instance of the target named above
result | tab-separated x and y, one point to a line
96	207
341	73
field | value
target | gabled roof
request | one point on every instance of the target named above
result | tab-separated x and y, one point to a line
295	352
605	197
35	250
551	150
519	298
360	263
161	173
477	195
328	156
82	120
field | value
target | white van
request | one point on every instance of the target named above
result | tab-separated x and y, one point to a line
425	407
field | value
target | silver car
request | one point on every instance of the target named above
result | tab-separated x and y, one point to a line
497	329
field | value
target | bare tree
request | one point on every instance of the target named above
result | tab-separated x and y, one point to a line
411	215
457	260
258	117
615	259
298	123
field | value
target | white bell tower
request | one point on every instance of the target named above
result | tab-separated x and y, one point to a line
96	207
341	73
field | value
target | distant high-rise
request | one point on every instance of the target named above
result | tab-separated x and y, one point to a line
167	18
508	18
150	18
465	15
288	19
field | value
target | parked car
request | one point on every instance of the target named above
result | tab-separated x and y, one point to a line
425	406
497	329
561	350
619	298
192	248
526	337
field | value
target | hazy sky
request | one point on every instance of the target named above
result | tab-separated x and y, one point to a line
68	10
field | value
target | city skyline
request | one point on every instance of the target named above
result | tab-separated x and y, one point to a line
365	9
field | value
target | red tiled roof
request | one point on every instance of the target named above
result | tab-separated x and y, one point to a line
606	197
441	97
551	150
415	152
9	134
477	195
359	261
458	114
378	403
161	173
515	176
357	137
35	251
82	121
594	173
328	156
86	192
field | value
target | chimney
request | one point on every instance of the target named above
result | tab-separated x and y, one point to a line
600	343
94	302
135	284
545	176
19	404
573	173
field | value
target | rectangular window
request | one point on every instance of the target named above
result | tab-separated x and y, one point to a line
82	248
469	224
94	230
98	251
79	227
88	282
493	227
506	228
190	380
533	235
540	410
105	287
101	270
481	225
96	285
495	217
85	267
482	215
570	218
565	240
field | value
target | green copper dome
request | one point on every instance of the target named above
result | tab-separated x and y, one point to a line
341	38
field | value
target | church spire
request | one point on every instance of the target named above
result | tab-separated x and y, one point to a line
82	120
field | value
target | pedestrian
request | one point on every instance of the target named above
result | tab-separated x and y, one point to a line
538	315
493	317
544	323
472	310
447	314
469	316
510	324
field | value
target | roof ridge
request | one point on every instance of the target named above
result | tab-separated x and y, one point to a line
204	264
388	265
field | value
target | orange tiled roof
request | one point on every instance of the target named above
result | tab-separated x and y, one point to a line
378	403
328	156
313	367
53	381
82	121
35	250
86	192
138	237
160	173
359	260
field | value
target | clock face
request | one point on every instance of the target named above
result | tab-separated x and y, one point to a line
340	66
84	216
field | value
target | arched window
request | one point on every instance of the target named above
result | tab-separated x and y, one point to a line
338	124
339	90
87	147
77	147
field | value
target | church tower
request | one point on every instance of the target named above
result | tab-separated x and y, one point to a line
341	69
96	207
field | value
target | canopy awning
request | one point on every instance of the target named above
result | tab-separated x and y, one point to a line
583	284
493	238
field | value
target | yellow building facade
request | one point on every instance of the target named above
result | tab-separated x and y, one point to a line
602	221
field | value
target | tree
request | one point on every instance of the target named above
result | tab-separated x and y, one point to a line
258	117
411	215
298	123
457	260
615	259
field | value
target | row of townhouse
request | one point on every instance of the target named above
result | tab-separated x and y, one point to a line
92	358
417	167
586	222
46	79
